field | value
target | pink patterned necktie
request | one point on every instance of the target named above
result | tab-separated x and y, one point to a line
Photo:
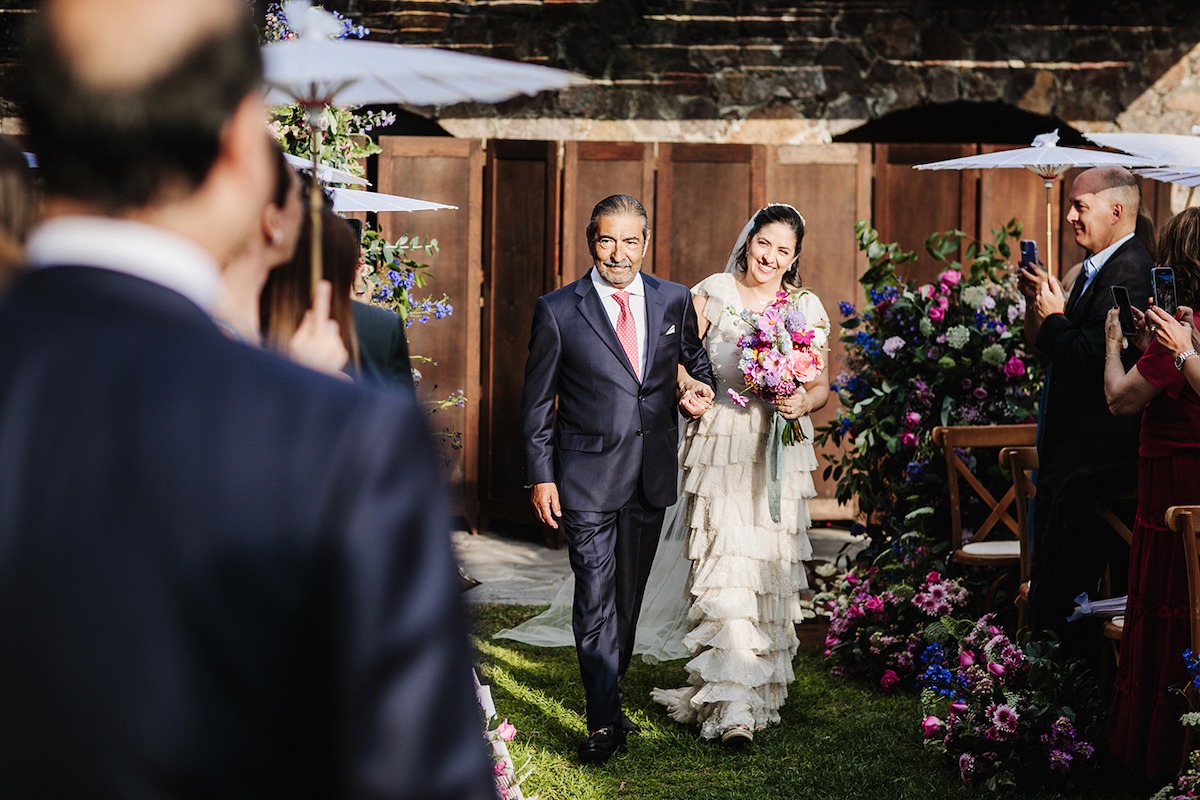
627	333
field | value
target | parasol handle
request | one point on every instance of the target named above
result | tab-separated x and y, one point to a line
1049	244
315	201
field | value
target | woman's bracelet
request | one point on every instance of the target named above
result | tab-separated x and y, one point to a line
1107	356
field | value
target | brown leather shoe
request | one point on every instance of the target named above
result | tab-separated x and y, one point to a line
601	745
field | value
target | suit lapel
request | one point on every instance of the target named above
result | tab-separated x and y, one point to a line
655	309
593	312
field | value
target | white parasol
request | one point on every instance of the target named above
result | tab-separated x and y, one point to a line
1046	160
316	69
1165	149
348	200
327	173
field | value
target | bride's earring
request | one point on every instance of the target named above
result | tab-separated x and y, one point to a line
276	236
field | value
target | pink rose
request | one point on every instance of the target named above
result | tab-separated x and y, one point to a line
937	313
854	610
506	731
931	725
966	658
889	679
995	669
933	577
926	291
912	419
950	277
805	365
851	579
908	439
874	604
1015	367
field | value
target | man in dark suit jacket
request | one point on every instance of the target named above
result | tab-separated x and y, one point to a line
219	576
382	347
607	350
1086	454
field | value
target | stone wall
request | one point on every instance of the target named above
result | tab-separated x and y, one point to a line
709	70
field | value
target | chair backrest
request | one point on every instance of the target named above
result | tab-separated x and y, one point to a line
952	438
1183	520
1022	462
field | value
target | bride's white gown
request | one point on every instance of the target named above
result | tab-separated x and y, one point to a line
734	610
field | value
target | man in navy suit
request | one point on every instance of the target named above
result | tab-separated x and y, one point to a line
1086	455
221	574
601	435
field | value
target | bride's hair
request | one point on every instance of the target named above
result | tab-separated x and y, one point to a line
775	212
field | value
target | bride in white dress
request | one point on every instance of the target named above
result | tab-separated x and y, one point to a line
724	588
747	569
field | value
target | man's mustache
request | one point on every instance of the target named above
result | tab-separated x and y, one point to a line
624	262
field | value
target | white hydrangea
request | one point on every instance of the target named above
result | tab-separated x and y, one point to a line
992	354
974	296
925	326
957	336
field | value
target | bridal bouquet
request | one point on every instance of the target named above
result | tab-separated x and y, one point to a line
778	356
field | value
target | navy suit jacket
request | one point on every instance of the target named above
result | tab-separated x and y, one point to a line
610	432
382	347
221	575
1078	428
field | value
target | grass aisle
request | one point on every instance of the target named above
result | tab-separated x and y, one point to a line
838	739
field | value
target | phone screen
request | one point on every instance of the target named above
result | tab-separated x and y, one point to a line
1163	281
1124	311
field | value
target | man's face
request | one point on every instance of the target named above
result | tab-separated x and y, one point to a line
1091	215
618	248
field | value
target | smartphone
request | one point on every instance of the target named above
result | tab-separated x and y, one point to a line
1162	280
1124	311
1029	256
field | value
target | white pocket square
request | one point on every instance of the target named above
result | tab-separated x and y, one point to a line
670	330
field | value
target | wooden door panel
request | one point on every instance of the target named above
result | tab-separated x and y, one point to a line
447	171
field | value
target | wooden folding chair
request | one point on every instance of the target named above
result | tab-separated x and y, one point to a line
1113	629
983	551
1021	462
1184	520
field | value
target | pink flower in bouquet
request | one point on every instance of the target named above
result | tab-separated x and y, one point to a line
889	679
926	291
1004	717
769	319
933	577
506	731
931	726
937	313
803	337
966	658
912	419
1015	367
966	767
738	400
950	277
804	364
874	604
908	439
996	669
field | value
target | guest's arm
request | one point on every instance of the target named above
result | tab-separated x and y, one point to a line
1127	393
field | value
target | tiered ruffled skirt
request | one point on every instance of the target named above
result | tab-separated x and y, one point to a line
747	571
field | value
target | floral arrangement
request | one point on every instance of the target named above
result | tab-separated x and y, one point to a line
943	353
395	275
778	356
879	613
345	141
1187	785
498	734
1004	714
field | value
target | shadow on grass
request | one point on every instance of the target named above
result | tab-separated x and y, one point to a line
838	738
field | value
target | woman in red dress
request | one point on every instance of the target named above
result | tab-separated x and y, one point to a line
1144	730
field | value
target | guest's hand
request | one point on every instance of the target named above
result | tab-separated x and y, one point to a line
795	406
317	342
1112	330
545	502
1141	340
1029	281
1173	334
1050	299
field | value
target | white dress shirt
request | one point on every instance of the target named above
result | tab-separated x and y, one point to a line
134	248
637	307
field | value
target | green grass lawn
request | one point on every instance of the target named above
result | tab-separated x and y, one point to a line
838	738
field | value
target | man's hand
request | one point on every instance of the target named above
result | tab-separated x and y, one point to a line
545	502
1050	298
1029	281
697	398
